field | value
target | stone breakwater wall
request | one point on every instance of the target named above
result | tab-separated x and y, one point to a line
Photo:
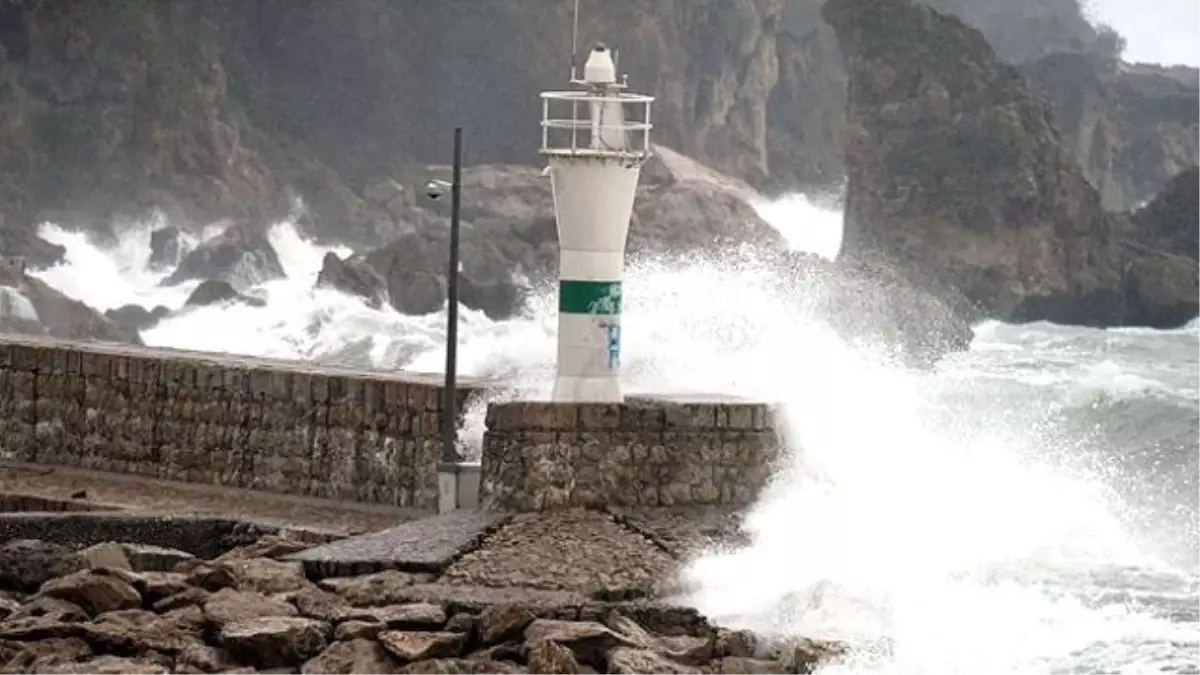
275	426
542	455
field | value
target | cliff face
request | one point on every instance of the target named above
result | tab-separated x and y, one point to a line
1131	127
106	105
955	171
216	109
368	81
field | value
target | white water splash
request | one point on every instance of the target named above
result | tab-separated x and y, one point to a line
929	510
14	305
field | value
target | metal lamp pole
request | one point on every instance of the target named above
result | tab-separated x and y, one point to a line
450	390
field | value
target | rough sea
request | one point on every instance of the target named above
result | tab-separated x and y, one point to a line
1029	506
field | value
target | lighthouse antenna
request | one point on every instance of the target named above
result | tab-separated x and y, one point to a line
574	40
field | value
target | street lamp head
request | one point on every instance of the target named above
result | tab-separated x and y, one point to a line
436	189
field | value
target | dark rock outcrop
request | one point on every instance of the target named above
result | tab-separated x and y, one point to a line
52	312
1162	278
957	176
1169	222
239	255
214	291
136	317
354	276
509	234
166	248
114	108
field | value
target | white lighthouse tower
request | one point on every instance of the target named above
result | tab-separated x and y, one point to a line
596	139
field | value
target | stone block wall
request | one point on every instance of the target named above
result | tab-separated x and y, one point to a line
541	455
240	422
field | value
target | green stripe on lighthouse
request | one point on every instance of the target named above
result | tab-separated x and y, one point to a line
589	297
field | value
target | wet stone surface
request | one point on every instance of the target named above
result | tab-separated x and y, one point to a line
421	545
586	552
686	532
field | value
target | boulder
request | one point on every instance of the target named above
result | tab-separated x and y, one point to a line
232	630
26	564
379	588
229	606
136	317
31	306
354	276
96	591
410	646
216	291
241	256
353	656
274	641
167	248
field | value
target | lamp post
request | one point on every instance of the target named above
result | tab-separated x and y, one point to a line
450	390
458	482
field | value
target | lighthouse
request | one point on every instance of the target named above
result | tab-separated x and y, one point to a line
595	138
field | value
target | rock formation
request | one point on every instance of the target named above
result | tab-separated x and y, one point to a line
240	255
215	291
957	175
167	248
354	276
253	112
29	305
1131	127
508	235
128	608
1162	288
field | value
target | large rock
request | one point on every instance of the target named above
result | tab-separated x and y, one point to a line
167	248
354	276
216	291
1162	288
29	305
241	256
1171	221
509	232
26	564
135	317
957	174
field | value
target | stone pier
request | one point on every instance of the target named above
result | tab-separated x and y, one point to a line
259	424
646	452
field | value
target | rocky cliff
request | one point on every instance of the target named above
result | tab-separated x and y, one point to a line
958	175
331	113
1131	127
955	169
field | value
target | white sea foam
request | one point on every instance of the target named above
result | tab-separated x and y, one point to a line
930	509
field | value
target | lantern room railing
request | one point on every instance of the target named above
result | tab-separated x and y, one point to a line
568	127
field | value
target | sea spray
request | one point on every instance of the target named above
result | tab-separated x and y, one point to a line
949	514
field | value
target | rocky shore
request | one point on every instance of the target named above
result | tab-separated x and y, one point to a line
132	608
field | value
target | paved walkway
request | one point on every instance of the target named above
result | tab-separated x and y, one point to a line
146	494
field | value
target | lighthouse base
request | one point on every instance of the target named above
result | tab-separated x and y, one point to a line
645	452
569	389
